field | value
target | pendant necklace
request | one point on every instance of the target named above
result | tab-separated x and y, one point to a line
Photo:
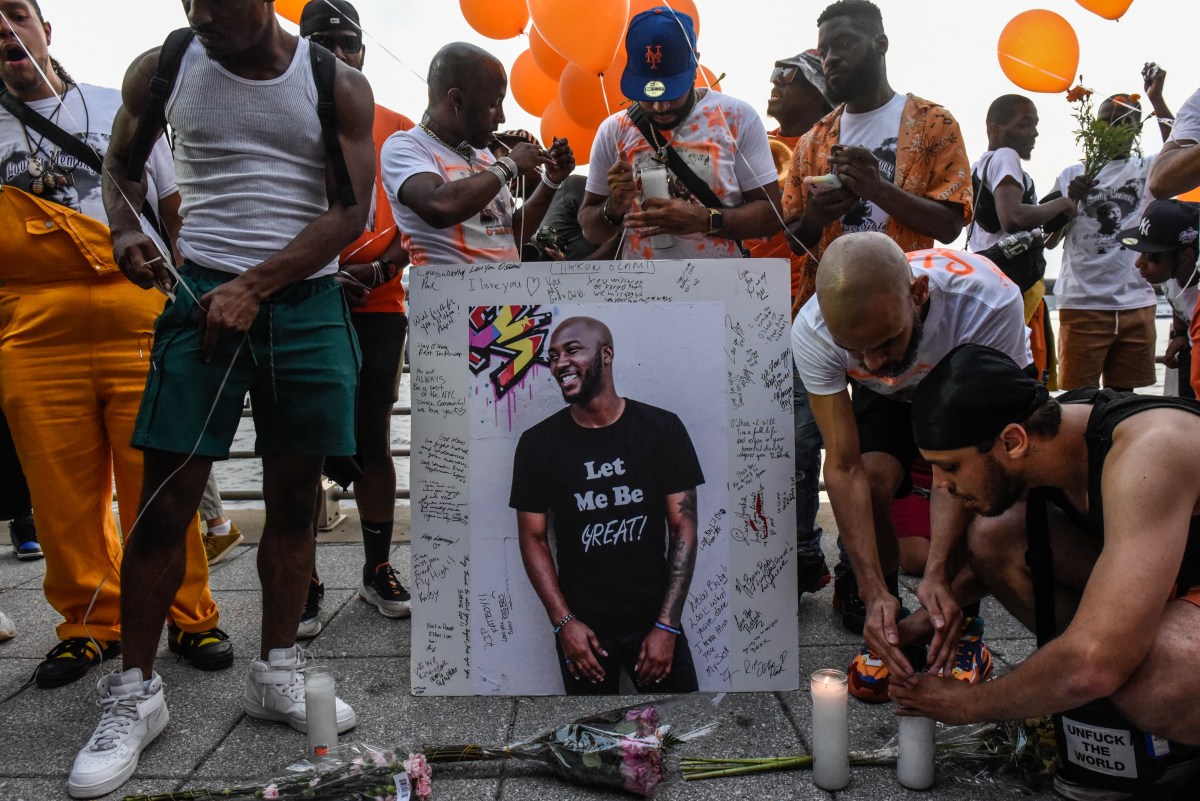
464	149
49	175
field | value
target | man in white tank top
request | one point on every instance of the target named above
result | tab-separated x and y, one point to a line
256	309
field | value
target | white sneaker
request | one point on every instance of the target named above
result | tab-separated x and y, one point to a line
275	691
7	629
135	711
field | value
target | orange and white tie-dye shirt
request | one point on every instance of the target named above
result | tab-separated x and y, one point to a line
483	237
725	143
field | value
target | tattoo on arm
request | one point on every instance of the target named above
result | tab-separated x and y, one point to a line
681	557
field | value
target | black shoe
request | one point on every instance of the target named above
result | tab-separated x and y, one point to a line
310	619
70	659
205	650
811	572
382	589
846	600
23	535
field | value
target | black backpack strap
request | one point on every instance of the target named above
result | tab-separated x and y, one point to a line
1040	559
154	119
77	149
324	67
695	184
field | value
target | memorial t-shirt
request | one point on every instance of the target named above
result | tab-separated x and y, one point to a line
878	131
999	164
1187	121
606	489
970	301
1098	272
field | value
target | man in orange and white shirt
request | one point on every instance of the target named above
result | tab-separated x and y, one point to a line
720	138
449	194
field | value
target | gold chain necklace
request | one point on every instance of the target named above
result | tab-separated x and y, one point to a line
464	149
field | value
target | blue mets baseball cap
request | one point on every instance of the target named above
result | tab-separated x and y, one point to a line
661	46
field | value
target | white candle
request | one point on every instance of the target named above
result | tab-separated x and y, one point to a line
320	708
914	769
830	730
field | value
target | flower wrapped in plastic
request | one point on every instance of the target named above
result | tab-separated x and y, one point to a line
353	772
1018	756
623	749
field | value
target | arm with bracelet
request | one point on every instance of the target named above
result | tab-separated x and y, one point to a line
579	642
656	656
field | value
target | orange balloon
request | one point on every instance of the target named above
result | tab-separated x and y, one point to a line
684	6
556	122
706	77
589	99
1109	9
585	32
546	57
290	9
1039	51
495	19
1190	196
532	90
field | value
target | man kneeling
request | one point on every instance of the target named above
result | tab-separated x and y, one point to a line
1117	603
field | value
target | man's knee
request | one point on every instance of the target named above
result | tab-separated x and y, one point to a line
1154	698
885	475
997	544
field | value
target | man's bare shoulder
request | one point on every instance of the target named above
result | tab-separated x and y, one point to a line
1163	444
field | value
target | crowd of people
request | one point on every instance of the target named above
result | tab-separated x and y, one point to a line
278	218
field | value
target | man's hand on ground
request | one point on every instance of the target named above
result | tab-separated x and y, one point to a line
946	618
655	659
581	647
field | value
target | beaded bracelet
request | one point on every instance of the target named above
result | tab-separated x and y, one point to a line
658	624
570	616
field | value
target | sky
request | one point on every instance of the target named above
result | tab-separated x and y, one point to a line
943	50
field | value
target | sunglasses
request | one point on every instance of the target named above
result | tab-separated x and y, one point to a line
351	43
784	74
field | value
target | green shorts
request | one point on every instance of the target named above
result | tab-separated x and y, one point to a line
299	362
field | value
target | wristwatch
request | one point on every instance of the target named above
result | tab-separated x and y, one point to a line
716	220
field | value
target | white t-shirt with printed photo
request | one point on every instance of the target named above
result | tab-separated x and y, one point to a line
486	236
1098	272
1002	163
724	142
970	302
1187	121
86	112
877	131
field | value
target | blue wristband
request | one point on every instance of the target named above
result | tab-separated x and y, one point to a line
658	624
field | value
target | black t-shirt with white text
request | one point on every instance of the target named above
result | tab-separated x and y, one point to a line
606	490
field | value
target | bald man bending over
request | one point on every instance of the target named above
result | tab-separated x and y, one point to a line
880	321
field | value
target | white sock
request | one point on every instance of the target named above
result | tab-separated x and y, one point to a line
221	530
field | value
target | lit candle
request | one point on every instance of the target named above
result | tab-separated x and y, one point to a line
914	768
830	730
320	709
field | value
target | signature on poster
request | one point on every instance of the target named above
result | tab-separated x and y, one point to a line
510	338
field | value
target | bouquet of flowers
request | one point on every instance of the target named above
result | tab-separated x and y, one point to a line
1101	142
1020	756
622	749
349	773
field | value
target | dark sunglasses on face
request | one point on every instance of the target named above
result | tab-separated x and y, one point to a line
784	74
351	43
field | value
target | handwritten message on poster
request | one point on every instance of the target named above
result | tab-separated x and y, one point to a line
706	341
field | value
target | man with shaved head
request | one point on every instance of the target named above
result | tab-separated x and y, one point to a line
449	194
880	321
620	477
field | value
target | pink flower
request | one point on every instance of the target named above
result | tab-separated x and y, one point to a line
419	772
646	719
641	765
270	791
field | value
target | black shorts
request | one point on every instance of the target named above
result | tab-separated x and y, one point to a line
885	426
381	339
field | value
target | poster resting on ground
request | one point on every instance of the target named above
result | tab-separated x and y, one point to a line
700	350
